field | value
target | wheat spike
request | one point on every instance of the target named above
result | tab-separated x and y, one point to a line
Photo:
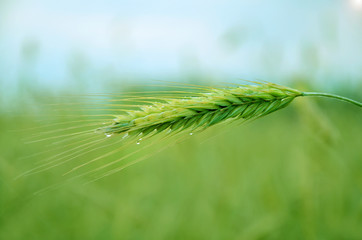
197	113
207	109
173	115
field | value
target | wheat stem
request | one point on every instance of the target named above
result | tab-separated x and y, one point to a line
317	94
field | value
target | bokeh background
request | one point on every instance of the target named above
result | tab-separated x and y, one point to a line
295	174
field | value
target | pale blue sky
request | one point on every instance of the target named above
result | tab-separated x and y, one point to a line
160	39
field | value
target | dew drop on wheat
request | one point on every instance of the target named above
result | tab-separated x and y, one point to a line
108	135
125	136
191	134
139	141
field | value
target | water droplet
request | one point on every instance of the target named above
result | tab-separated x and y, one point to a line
108	135
191	133
125	136
139	141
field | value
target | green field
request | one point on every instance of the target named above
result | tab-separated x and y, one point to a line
295	174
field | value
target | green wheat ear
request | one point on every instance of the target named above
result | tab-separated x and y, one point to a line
244	102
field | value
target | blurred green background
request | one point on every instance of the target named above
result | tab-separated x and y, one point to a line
295	174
